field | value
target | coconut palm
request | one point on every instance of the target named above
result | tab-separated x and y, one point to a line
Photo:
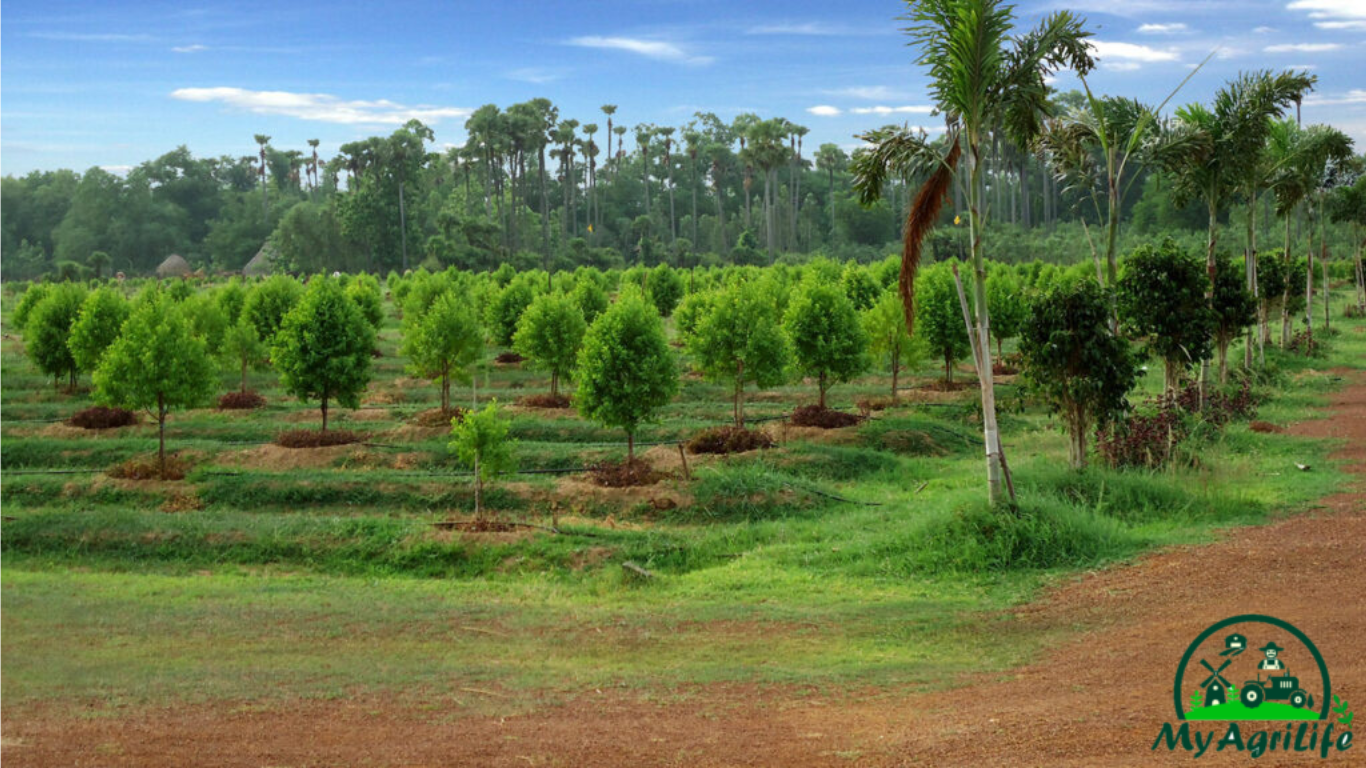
263	141
831	159
668	133
981	76
609	110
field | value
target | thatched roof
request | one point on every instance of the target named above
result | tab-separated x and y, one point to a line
174	266
262	263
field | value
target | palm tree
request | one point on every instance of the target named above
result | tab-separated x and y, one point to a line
609	110
262	140
644	132
620	133
692	141
831	159
668	133
1210	152
1299	158
313	167
798	132
981	76
590	154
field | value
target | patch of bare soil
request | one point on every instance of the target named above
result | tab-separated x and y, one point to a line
1265	427
438	418
275	457
150	468
624	474
939	385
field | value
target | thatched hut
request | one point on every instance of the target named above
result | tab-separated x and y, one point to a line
175	265
261	264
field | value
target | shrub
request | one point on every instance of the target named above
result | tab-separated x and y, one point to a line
322	349
48	332
480	441
737	340
443	341
102	417
1142	439
939	317
827	338
550	332
1161	295
267	304
96	327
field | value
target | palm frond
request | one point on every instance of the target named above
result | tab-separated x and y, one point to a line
920	219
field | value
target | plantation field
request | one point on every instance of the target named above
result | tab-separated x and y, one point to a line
843	565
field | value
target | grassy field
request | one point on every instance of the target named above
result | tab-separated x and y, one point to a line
272	574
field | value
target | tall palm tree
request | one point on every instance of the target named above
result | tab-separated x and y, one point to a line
644	132
609	110
615	160
798	133
590	154
313	168
980	76
692	142
831	159
263	140
668	133
1210	151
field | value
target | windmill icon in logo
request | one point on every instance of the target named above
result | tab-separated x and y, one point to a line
1215	686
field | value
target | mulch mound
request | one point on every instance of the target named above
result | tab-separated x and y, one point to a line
730	439
1004	369
149	469
240	401
939	385
375	354
626	474
1265	427
823	418
100	417
508	358
437	417
316	438
543	401
870	404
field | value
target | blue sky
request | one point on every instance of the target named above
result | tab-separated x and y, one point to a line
113	84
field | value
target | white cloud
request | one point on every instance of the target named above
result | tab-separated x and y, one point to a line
534	75
1330	9
1130	56
190	48
1302	47
869	92
1263	30
660	50
1163	29
809	28
824	110
1349	26
910	109
319	107
1354	96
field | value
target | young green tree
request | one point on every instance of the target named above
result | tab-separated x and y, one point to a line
1072	359
591	298
444	341
888	338
269	302
480	441
1162	297
1006	303
48	329
507	308
207	321
322	350
626	371
30	298
364	290
860	286
939	317
738	339
826	335
243	347
97	326
156	364
1234	309
231	297
666	289
550	333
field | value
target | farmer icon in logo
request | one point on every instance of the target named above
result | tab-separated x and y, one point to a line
1206	691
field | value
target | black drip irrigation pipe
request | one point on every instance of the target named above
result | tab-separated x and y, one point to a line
832	496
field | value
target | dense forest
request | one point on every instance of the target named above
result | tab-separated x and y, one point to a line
533	189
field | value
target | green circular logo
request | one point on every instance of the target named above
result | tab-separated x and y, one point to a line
1252	667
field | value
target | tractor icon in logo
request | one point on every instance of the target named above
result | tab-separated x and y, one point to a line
1280	682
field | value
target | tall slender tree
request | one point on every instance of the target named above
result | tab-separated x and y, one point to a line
981	76
262	142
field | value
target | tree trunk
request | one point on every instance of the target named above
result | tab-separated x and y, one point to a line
403	224
244	374
630	446
446	389
478	490
1111	255
768	212
161	435
1210	270
739	404
1223	343
990	432
324	408
1285	296
554	383
896	369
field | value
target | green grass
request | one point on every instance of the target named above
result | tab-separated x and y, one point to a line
1267	710
866	560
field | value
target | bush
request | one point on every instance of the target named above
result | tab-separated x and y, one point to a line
240	401
1142	439
729	439
101	417
313	438
822	417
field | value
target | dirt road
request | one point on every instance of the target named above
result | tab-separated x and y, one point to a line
1098	699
